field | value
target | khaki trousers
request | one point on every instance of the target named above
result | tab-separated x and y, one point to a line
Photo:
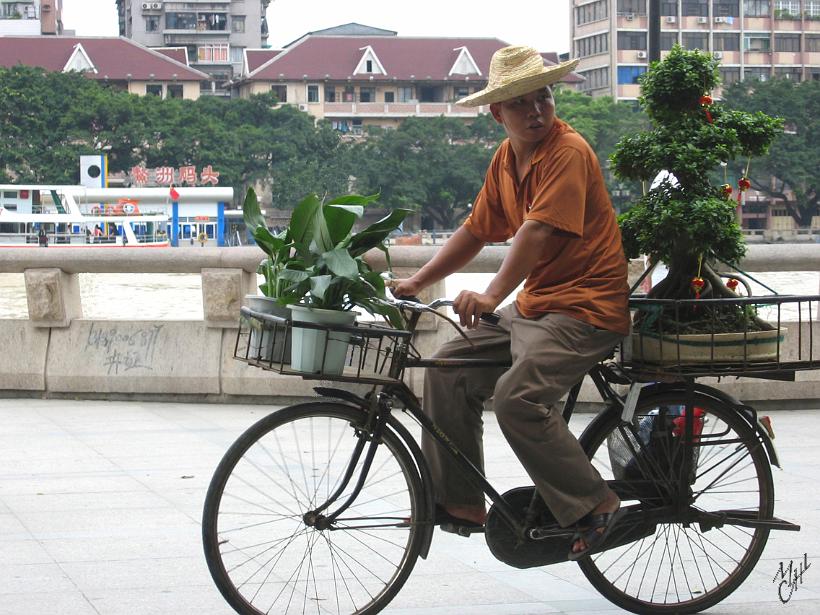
549	355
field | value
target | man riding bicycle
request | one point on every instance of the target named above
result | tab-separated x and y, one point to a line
545	190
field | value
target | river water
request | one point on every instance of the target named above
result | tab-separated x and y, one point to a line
178	296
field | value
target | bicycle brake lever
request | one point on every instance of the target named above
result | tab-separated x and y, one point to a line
490	317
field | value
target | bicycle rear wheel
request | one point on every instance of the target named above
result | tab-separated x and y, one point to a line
267	557
674	565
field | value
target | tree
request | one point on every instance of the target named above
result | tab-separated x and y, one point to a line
687	222
789	172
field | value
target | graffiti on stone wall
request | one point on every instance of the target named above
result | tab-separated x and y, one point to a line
124	350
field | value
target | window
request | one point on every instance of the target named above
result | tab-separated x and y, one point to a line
812	42
729	75
756	73
367	95
757	8
152	23
237	55
349	94
695	40
389	96
212	53
594	11
787	9
668	40
174	90
699	8
726	42
631	40
281	93
330	94
726	8
592	45
634	7
811	9
154	89
211	21
180	21
787	42
595	79
405	95
356	127
793	73
368	66
238	23
758	42
630	74
313	93
815	74
669	8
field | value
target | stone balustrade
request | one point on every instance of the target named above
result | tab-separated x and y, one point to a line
58	352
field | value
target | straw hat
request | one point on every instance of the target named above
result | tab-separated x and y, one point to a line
515	71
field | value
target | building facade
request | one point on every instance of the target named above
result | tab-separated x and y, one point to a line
31	17
355	80
753	39
215	33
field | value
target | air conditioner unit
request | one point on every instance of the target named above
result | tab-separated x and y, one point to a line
156	5
717	55
671	19
303	107
703	20
630	16
146	6
641	55
720	20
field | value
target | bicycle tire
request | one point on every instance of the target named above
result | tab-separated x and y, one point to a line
675	568
265	558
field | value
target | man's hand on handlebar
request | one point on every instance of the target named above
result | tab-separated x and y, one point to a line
470	306
404	288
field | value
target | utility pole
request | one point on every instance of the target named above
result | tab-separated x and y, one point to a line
654	19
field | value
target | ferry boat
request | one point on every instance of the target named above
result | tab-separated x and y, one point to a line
76	216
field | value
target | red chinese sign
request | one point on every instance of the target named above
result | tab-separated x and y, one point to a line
165	176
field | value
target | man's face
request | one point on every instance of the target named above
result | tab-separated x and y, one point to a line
526	118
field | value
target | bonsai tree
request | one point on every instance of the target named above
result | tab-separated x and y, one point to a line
318	261
684	219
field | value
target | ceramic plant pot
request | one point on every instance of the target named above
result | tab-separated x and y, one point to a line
316	351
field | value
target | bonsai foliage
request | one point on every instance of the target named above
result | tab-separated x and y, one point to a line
318	261
683	219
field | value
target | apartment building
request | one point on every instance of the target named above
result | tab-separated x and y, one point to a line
753	39
214	33
30	17
355	80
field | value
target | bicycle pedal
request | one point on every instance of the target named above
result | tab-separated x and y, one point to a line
461	530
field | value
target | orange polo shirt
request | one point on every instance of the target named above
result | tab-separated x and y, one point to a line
582	271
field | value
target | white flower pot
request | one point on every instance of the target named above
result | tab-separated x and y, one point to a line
754	346
262	345
315	351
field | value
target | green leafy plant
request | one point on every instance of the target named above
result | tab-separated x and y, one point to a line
318	261
684	220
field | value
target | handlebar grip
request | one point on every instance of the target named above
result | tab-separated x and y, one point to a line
412	298
490	317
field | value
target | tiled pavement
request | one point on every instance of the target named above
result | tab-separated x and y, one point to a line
100	506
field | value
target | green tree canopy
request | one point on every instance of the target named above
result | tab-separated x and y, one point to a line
790	171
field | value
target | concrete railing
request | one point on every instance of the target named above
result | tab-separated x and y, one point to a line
58	352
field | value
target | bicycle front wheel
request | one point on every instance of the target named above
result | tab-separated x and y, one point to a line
266	556
674	565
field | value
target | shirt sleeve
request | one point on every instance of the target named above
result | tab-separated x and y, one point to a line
487	221
560	195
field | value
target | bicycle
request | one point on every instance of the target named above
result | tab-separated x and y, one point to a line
325	506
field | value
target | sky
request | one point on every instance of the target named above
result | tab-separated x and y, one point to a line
543	24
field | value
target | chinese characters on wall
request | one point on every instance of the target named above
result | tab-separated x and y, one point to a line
165	176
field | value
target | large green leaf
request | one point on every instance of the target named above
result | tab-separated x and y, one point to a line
302	222
376	233
251	213
354	199
319	285
341	263
340	220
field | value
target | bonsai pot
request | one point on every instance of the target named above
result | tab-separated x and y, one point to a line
316	351
752	346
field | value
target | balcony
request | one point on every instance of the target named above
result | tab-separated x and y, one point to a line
405	109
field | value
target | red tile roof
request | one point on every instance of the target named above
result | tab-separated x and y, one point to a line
114	58
180	54
257	57
403	58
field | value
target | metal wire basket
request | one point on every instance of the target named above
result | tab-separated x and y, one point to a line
373	353
772	337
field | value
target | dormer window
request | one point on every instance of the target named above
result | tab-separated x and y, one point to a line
369	63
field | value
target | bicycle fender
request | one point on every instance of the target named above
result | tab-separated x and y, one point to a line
413	448
748	413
